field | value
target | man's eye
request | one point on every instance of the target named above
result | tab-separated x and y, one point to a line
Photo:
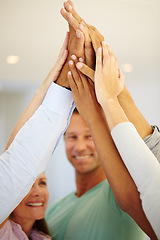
72	137
89	136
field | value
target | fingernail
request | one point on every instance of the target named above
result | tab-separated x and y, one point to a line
70	7
81	59
78	34
70	62
79	65
81	26
73	57
70	14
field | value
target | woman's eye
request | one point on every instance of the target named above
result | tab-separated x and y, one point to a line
43	183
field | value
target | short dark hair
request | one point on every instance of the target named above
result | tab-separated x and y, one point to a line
75	111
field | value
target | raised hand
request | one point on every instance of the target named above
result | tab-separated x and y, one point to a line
76	46
83	92
69	13
54	73
109	82
93	38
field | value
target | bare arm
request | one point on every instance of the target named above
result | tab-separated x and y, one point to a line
140	161
42	90
133	114
122	185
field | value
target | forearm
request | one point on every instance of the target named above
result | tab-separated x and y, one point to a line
143	167
133	114
33	105
109	157
114	113
29	153
122	185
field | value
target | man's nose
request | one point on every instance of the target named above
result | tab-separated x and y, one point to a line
80	145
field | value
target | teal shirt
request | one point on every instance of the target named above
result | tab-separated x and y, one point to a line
93	216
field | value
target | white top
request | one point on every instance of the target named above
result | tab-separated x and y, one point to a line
29	153
143	167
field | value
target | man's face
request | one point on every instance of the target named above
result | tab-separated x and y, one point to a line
79	145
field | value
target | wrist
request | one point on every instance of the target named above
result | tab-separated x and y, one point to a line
63	79
109	102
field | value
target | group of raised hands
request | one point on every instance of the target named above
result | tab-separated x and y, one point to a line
90	67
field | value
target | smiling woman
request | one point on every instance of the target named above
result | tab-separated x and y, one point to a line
28	216
33	207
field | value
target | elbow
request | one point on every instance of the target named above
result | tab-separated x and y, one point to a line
129	202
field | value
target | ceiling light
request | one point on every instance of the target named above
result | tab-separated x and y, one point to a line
127	67
12	59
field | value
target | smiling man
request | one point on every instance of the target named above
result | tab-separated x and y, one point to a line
82	154
91	212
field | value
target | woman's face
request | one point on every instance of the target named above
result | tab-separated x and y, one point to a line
34	205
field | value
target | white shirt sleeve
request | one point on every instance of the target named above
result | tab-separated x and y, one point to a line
143	167
29	153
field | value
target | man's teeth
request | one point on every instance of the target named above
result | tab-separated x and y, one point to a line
35	204
82	157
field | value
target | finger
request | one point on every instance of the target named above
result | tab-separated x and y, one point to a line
71	3
76	75
121	75
65	44
72	10
105	55
54	73
84	29
96	33
74	58
70	19
95	41
114	65
80	34
99	59
67	6
72	83
87	71
71	15
79	46
89	51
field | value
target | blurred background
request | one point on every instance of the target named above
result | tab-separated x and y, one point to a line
32	33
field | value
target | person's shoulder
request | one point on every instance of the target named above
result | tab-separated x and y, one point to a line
12	230
37	235
6	231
